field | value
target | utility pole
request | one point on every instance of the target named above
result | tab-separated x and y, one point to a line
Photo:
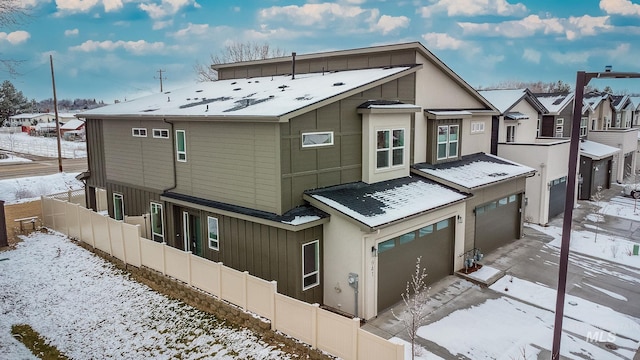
55	109
160	71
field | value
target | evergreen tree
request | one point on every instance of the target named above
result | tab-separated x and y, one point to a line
11	101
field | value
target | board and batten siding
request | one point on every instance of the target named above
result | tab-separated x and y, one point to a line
136	200
340	163
95	153
233	163
139	161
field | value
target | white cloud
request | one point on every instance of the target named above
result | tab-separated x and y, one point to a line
75	5
311	14
112	5
532	55
136	47
571	58
158	25
71	32
192	29
16	37
571	28
620	7
473	8
387	24
442	41
166	7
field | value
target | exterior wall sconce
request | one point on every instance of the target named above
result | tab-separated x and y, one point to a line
459	219
374	251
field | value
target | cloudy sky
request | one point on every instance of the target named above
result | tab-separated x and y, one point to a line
113	49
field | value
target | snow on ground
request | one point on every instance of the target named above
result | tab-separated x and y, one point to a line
421	353
87	308
12	159
606	247
607	292
623	207
30	188
42	146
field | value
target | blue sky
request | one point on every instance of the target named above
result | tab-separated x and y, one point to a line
112	49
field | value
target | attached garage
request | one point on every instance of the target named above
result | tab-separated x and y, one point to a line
498	222
596	163
397	259
557	196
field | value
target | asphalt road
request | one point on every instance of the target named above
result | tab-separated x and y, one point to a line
41	166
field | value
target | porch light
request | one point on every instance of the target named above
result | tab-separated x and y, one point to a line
459	219
582	79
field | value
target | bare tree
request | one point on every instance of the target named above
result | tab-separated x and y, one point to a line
12	13
236	52
415	299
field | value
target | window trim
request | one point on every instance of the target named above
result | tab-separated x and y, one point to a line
302	136
477	127
181	155
447	142
513	134
121	197
316	272
216	247
139	132
153	204
584	126
391	148
161	133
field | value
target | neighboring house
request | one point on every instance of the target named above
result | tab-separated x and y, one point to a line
606	129
518	125
635	117
72	129
28	120
328	172
622	111
594	168
557	121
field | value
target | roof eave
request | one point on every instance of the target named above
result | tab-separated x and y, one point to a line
243	118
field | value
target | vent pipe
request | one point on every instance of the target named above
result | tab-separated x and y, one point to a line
293	65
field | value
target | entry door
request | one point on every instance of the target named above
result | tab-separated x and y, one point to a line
191	233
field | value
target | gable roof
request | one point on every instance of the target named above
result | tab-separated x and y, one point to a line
555	102
383	203
505	99
596	98
474	171
72	124
270	98
619	102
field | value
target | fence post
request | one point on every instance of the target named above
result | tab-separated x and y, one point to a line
93	231
220	265
314	325
78	221
245	281
109	235
354	344
164	258
400	351
124	248
189	255
139	243
272	305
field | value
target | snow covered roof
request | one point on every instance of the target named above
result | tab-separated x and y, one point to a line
594	98
448	114
26	116
555	102
72	124
596	151
503	99
636	101
619	101
269	97
383	203
475	170
515	115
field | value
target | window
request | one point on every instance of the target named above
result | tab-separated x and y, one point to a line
618	119
139	132
593	124
389	148
442	224
181	146
511	133
118	207
310	264
408	237
316	139
447	141
157	229
212	226
161	133
386	245
425	231
583	126
477	127
559	127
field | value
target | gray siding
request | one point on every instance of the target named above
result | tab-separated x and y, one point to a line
234	163
310	168
136	200
95	152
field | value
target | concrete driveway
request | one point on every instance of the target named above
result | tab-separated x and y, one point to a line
513	319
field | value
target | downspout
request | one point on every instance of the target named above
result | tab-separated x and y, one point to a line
173	145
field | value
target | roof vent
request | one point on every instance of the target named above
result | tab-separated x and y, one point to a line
282	87
497	174
338	83
233	83
236	89
198	90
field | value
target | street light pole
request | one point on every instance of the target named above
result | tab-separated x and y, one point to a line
582	79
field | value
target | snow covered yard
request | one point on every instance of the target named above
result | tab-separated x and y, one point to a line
42	146
30	188
87	308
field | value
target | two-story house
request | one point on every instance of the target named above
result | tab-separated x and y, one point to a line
309	170
518	137
557	121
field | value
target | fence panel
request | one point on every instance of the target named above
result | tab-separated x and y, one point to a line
233	286
86	229
205	275
47	211
60	216
337	334
295	318
152	254
176	263
73	223
101	232
261	296
131	240
117	243
373	347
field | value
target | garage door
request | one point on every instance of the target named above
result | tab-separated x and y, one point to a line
497	223
397	259
557	196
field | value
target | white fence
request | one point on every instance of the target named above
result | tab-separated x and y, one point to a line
324	330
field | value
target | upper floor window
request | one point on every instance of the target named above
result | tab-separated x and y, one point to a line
161	133
618	119
316	139
181	146
511	133
389	148
477	127
139	132
157	229
559	127
583	126
448	141
118	206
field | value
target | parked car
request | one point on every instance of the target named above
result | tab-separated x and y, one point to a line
632	190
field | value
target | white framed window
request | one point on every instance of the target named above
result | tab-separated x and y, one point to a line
583	126
213	233
160	133
618	120
139	132
118	206
310	264
181	146
157	227
447	141
559	127
511	133
477	127
389	148
317	139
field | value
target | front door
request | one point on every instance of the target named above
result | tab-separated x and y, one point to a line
191	233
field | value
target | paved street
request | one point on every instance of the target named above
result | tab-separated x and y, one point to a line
535	262
40	166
